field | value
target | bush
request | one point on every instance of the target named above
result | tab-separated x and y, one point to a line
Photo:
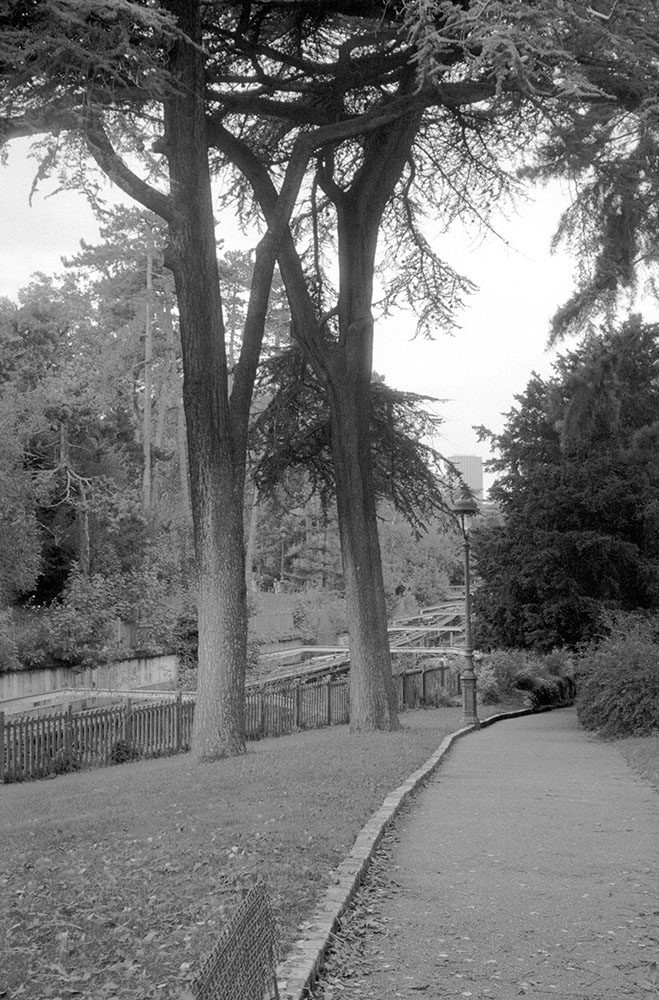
33	638
144	600
8	647
619	679
489	691
504	675
122	752
545	691
320	616
441	699
82	627
80	630
498	673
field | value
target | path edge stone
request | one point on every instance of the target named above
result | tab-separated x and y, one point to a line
297	973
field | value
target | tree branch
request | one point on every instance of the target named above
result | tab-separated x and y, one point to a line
241	155
114	167
278	215
24	126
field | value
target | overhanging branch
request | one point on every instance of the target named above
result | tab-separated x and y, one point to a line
116	169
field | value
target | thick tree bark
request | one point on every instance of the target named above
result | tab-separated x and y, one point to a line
373	701
182	449
166	399
345	369
252	522
216	480
147	415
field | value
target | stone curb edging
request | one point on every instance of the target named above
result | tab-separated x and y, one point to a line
299	970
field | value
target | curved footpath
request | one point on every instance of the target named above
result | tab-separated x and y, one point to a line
528	865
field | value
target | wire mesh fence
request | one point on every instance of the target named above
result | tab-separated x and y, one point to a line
242	964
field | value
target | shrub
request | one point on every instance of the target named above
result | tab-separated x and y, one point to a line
557	663
122	752
185	640
320	616
543	680
544	691
82	627
8	647
500	671
489	691
33	638
143	598
441	699
619	679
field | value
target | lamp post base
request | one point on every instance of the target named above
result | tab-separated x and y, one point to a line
469	712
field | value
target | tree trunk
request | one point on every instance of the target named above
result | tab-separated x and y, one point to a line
373	699
373	702
252	527
84	558
182	449
168	391
216	480
147	413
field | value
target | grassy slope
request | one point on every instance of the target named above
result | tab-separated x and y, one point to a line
118	880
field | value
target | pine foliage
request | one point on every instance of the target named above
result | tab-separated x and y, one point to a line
579	498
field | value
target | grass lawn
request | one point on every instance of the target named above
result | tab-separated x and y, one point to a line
116	881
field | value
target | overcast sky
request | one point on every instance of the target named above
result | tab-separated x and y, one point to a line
478	371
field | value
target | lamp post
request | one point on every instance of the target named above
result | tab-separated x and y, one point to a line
466	508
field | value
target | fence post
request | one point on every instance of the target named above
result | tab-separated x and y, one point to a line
128	725
2	747
423	685
328	703
297	699
178	719
68	736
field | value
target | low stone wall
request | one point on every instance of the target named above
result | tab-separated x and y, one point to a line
156	673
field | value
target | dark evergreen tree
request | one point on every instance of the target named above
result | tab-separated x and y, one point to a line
579	497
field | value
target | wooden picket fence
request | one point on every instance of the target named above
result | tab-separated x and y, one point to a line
38	747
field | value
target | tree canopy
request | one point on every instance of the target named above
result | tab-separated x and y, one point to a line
609	153
579	496
292	430
335	122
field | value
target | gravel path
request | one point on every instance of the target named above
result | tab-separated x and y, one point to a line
529	865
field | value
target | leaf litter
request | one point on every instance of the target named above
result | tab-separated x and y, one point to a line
116	882
119	880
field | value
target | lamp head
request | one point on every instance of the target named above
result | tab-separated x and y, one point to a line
465	507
